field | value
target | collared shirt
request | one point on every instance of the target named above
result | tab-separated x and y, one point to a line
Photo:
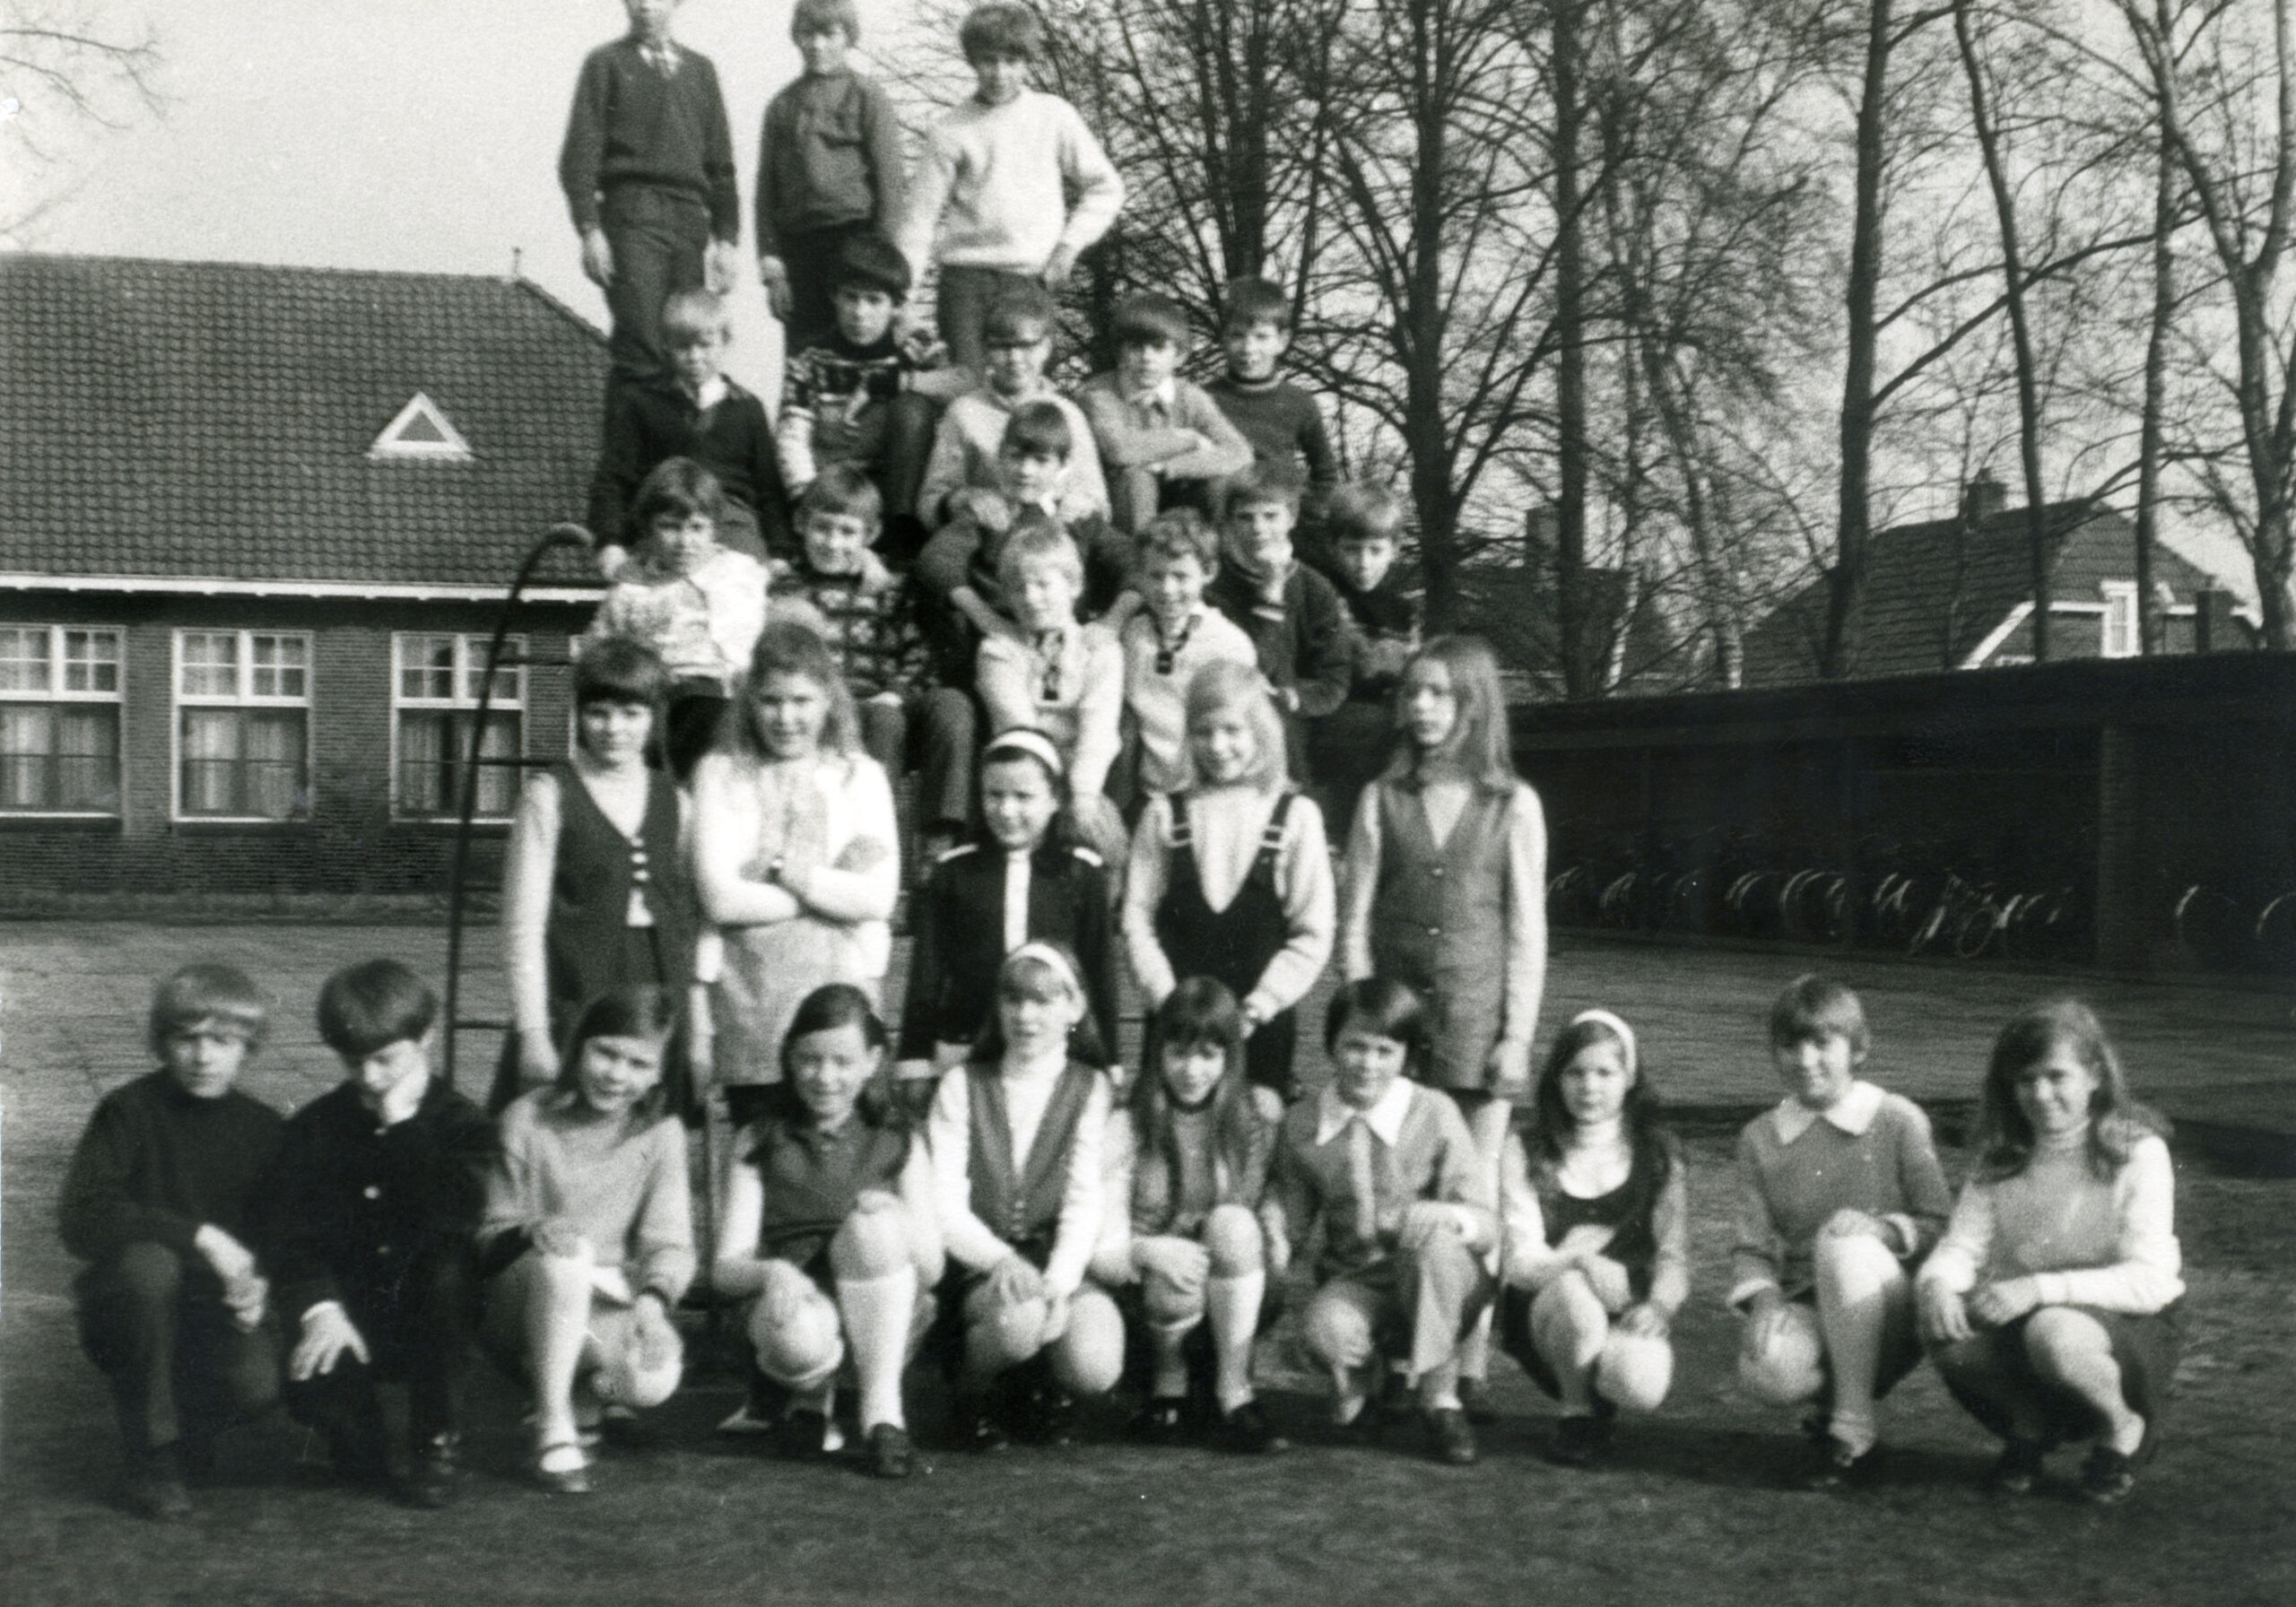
1412	1145
1154	404
1852	1112
662	56
1385	1117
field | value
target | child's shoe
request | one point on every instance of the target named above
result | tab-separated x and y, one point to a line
1475	1400
563	1469
1162	1422
1581	1440
1451	1437
2018	1469
1841	1466
433	1474
802	1434
1246	1432
891	1455
155	1487
2108	1477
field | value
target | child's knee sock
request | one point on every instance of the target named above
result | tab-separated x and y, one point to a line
1475	1350
1856	1279
1569	1327
1167	1343
878	1313
1233	1306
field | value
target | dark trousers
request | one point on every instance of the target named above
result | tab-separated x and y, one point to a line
1137	495
154	1324
418	1332
1346	750
659	240
932	732
965	297
812	259
696	712
890	441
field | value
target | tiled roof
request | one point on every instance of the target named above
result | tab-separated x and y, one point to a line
1934	591
212	420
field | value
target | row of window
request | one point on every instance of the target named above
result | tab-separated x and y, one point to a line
242	722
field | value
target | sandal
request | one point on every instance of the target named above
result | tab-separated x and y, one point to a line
564	1468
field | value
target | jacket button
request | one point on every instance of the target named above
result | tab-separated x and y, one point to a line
373	1193
1434	932
1436	871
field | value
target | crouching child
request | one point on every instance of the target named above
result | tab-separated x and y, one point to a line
371	1210
172	1306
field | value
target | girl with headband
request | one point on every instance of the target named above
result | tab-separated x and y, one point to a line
1024	877
1595	1213
1016	1140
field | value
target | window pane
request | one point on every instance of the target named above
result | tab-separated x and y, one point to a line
91	661
23	658
279	664
498	783
211	761
276	788
426	667
27	756
87	763
509	684
425	738
211	664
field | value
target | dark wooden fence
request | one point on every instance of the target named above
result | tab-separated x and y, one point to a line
2135	814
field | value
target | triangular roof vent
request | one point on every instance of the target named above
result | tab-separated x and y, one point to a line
421	432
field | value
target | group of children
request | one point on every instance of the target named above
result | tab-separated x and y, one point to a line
1047	1228
698	917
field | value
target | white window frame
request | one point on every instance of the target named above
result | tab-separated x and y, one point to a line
469	667
2120	615
57	692
245	697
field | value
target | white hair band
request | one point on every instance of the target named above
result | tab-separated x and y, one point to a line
1604	1018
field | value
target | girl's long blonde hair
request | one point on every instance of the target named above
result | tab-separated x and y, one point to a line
1225	685
791	647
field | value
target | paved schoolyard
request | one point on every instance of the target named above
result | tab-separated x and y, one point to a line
1691	1510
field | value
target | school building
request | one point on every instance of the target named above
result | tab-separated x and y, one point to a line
256	524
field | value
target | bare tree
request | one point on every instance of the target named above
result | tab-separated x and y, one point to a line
65	70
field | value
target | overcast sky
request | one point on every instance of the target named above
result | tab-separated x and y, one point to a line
384	134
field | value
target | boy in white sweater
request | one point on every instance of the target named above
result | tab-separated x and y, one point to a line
994	178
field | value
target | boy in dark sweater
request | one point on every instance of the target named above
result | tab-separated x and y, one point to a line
1350	746
697	413
648	168
172	1307
869	394
372	1212
870	623
829	167
1292	614
1281	421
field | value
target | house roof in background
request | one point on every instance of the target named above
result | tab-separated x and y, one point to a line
1935	591
213	420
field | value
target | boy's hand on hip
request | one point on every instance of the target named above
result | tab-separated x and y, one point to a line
598	258
327	1334
775	277
719	267
1058	266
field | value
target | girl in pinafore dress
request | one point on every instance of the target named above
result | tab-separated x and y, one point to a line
1594	1209
595	893
795	856
1447	894
1230	878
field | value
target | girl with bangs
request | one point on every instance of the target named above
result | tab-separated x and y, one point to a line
1447	894
1019	1190
2053	1305
795	857
1595	1208
588	1223
1183	1241
1230	877
830	1232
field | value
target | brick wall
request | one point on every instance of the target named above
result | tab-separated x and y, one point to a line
350	844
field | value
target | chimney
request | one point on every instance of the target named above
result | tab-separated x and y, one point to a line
1540	525
1984	497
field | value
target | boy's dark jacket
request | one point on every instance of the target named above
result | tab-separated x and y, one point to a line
353	1207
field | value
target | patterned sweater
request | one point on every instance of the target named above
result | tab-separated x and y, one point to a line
871	624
